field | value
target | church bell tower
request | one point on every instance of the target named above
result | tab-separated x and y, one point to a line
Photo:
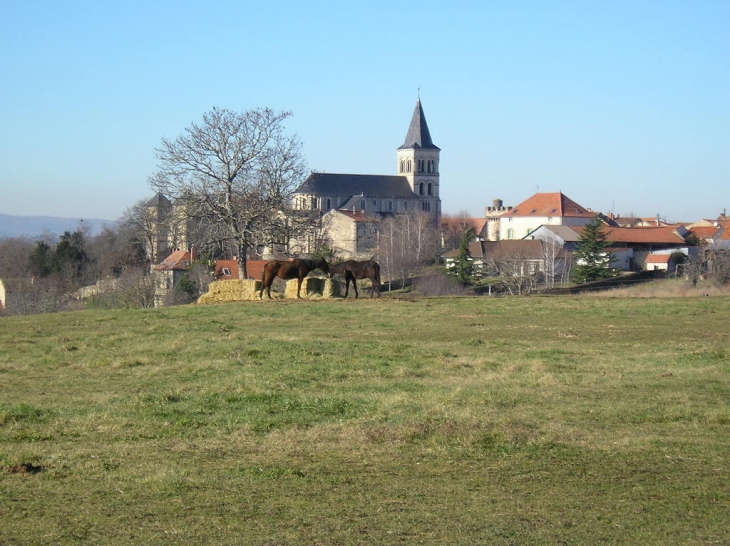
418	160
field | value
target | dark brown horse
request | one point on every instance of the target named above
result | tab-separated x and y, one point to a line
291	269
353	270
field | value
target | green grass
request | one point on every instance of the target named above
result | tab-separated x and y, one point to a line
432	421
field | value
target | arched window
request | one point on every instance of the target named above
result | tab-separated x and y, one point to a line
420	188
390	206
430	188
329	204
402	165
420	165
314	203
409	166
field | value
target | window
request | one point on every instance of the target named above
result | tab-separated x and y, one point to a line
226	271
420	188
426	206
362	204
329	204
420	165
510	233
431	166
390	206
405	205
409	166
430	188
314	203
402	165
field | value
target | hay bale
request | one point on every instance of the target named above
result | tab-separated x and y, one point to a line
231	290
313	288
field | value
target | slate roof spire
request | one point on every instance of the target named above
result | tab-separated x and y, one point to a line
418	134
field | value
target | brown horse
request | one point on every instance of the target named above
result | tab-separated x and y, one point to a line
353	270
294	269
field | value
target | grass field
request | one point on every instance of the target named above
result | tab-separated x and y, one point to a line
425	421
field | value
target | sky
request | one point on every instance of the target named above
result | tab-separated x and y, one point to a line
621	105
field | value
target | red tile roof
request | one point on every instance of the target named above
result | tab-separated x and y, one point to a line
705	232
180	259
658	258
647	235
550	204
254	269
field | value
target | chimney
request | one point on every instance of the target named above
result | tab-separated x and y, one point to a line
193	253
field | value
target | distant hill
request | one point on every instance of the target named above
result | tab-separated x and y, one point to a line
36	226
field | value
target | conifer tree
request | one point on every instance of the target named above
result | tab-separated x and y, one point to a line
593	260
464	265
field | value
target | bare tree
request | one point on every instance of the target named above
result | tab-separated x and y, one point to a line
519	271
554	263
453	228
234	173
15	254
407	242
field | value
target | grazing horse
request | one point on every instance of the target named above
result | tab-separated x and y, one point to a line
353	270
294	269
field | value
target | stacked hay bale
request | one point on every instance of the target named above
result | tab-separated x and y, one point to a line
231	290
313	288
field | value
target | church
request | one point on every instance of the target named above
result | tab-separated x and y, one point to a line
414	188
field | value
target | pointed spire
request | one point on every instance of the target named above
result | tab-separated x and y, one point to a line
418	134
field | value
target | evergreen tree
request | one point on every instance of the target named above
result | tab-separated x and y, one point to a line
41	260
593	260
464	265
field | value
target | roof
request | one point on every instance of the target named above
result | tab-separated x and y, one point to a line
647	235
357	215
254	268
180	259
566	233
705	232
159	200
550	204
355	184
658	259
418	135
524	248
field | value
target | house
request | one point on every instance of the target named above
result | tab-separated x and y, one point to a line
415	187
659	262
542	209
168	273
520	257
631	246
226	270
351	234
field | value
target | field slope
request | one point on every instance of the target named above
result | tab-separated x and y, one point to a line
432	421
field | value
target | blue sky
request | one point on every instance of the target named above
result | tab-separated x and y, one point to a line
621	105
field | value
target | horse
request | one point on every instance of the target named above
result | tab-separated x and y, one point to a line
353	270
294	269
